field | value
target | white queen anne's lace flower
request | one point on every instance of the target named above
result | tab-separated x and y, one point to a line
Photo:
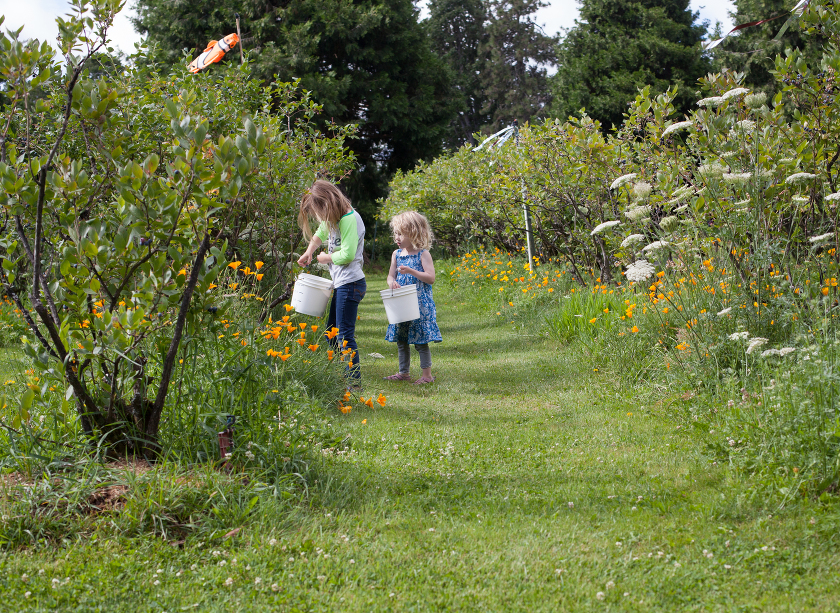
755	343
821	238
674	127
603	226
833	197
632	240
738	91
655	245
711	170
786	350
712	102
739	336
640	270
755	101
642	189
738	178
747	125
798	178
622	180
725	311
637	213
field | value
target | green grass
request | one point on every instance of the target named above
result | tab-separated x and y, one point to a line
505	486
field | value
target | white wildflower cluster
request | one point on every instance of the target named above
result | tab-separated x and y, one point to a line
675	127
779	352
669	223
747	125
800	178
640	270
738	91
755	101
755	343
637	213
622	180
681	193
642	189
816	240
738	178
633	239
833	197
655	245
711	170
801	199
681	208
738	336
604	226
713	102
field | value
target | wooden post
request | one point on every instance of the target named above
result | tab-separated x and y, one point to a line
239	34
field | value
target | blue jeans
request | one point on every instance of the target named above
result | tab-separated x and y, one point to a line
344	309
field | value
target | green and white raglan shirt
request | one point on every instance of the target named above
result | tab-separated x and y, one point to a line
346	247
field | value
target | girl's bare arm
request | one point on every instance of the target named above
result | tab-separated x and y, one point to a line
392	272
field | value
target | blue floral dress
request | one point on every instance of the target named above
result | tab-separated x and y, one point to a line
423	330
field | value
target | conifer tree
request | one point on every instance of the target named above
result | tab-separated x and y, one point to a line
618	47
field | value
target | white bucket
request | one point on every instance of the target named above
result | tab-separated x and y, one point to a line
311	295
401	304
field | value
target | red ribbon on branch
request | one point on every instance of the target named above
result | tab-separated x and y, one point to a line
801	6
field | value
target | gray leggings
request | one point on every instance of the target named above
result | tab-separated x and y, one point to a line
404	353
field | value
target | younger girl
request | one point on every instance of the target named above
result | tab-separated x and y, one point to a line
344	231
411	263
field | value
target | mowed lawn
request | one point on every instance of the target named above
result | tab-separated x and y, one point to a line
521	480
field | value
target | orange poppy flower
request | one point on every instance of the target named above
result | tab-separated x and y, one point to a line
289	307
234	265
301	341
260	276
369	402
258	265
381	400
285	356
314	328
303	326
330	354
313	347
346	396
285	318
212	285
332	333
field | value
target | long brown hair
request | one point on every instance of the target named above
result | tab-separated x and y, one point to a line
322	202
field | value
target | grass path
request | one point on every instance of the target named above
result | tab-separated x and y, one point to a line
520	481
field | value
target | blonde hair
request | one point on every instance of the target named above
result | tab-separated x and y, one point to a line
323	202
415	227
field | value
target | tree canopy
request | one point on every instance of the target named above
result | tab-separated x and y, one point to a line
368	62
619	46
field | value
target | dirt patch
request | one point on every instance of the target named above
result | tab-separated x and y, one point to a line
106	499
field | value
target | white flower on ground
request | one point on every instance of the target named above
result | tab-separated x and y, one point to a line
674	127
755	101
622	180
738	178
738	91
642	189
640	270
275	587
798	178
637	213
755	343
229	581
632	240
655	245
571	505
603	226
600	595
610	585
725	311
712	102
272	542
257	581
833	197
738	336
821	238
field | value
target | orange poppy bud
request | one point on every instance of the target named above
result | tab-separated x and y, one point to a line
258	265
